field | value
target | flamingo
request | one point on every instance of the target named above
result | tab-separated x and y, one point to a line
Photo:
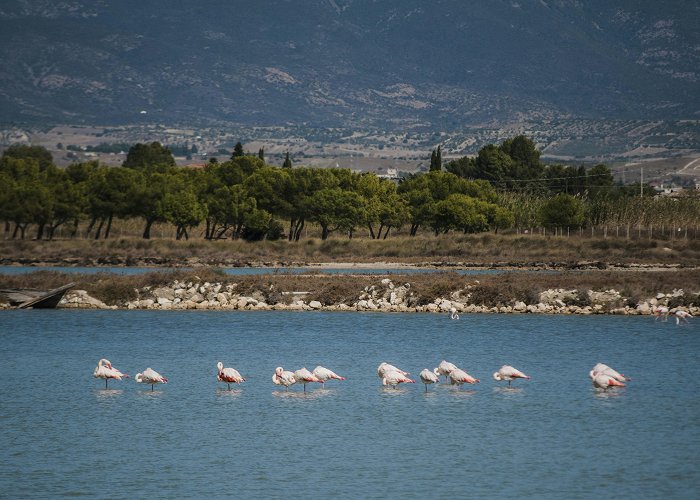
459	377
106	371
603	369
602	381
428	377
228	375
453	313
394	378
661	312
682	316
150	376
282	377
324	374
305	376
444	368
386	367
508	373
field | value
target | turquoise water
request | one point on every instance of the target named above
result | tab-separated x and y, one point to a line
553	436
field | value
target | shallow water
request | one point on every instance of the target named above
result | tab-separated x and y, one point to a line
552	436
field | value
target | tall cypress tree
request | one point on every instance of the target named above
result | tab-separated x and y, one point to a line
261	154
287	162
436	160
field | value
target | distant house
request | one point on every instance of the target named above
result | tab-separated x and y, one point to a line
391	174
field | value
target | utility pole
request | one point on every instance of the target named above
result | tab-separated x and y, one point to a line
641	183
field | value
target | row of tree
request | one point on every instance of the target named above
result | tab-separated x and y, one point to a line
246	198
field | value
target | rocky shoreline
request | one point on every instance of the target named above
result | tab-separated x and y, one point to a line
386	296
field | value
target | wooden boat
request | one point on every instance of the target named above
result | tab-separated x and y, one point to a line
36	299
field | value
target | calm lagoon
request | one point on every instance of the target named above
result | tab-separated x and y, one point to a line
552	436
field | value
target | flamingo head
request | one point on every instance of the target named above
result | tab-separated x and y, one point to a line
497	376
138	377
220	366
278	371
436	371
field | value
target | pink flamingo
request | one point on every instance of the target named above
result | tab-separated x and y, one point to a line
106	371
150	376
444	368
324	374
394	378
228	375
602	381
507	372
283	377
428	377
459	377
304	376
603	369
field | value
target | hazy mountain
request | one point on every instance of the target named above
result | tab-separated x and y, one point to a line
347	62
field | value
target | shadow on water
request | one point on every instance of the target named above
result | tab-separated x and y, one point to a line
610	394
508	391
299	394
462	393
226	393
148	393
103	394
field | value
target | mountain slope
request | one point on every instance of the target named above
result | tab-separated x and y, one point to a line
347	62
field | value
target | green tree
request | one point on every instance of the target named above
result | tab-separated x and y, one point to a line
38	153
287	161
237	151
563	210
336	209
436	160
141	156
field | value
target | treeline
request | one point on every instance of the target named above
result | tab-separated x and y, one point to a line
504	187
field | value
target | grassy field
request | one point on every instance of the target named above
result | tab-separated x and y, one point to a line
482	250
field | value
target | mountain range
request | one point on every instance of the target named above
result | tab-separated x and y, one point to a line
443	64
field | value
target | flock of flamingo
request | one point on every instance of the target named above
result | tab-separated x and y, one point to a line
602	376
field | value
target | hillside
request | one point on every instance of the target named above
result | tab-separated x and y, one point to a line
445	64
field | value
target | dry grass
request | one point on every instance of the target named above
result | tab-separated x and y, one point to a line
482	249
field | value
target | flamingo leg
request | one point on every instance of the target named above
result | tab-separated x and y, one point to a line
106	380
426	387
151	387
229	386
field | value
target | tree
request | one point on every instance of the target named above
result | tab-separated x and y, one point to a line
336	209
237	151
287	161
563	211
436	160
183	209
261	154
141	156
38	153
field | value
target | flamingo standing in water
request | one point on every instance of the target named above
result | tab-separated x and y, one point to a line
428	377
228	375
453	313
682	316
602	381
150	376
394	378
507	372
324	374
304	376
106	371
282	377
459	377
603	369
383	368
444	368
